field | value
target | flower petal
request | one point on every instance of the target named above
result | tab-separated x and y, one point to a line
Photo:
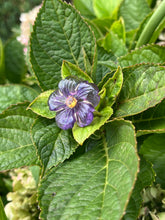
65	119
88	91
56	101
67	86
84	114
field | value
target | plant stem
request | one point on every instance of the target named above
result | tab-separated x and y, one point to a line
150	27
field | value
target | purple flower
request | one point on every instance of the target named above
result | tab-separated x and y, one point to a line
74	101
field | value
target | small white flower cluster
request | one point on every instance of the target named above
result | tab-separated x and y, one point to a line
27	21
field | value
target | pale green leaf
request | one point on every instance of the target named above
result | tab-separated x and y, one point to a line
118	28
53	144
13	94
153	150
150	121
97	184
112	42
60	33
40	105
81	134
145	178
69	69
143	87
133	13
16	148
106	8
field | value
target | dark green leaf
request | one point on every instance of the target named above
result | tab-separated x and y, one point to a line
40	105
2	64
153	150
53	144
13	94
152	3
56	38
145	178
103	56
16	148
81	134
2	211
96	184
133	13
15	67
143	87
150	121
69	69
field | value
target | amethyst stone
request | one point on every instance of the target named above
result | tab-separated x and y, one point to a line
74	101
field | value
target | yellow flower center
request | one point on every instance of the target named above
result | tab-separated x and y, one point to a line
71	102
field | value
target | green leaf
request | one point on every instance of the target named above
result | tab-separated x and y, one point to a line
103	24
146	54
85	7
119	29
16	148
53	144
150	121
58	39
145	178
35	170
154	151
96	184
103	56
81	134
113	86
133	13
13	94
2	64
115	39
40	105
15	67
143	87
97	32
137	32
106	8
113	43
151	3
69	69
157	32
2	211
